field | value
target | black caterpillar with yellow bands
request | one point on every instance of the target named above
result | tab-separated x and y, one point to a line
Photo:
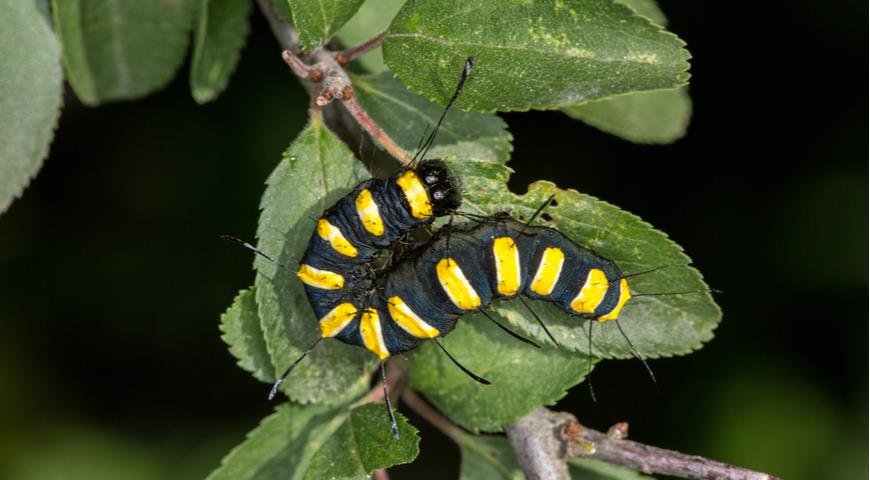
460	271
336	266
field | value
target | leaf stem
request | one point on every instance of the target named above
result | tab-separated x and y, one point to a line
351	54
422	408
300	68
376	132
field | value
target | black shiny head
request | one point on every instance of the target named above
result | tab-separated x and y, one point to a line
442	185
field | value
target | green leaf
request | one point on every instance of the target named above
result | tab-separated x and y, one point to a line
371	19
363	444
657	325
647	8
542	54
318	20
655	117
316	171
589	469
218	40
319	441
523	377
488	457
30	82
121	50
241	330
282	445
405	116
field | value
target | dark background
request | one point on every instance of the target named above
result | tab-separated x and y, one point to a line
112	277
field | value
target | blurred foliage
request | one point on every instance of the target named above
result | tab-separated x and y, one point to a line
30	69
218	39
121	50
80	452
806	434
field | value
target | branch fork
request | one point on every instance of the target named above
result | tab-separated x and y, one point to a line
545	441
332	82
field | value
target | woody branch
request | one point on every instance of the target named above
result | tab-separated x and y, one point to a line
324	76
545	441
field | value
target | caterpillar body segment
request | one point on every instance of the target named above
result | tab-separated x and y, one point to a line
378	212
437	283
336	266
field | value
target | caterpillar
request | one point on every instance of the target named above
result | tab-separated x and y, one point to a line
351	233
336	265
461	271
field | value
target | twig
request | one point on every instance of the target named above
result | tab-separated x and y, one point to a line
352	54
418	405
538	453
648	459
336	83
544	438
300	68
326	69
375	131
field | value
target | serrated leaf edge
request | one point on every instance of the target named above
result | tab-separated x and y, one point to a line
687	56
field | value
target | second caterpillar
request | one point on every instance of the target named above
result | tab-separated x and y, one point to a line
461	271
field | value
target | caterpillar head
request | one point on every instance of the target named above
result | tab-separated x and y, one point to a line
442	185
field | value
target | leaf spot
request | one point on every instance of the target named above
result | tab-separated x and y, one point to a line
643	57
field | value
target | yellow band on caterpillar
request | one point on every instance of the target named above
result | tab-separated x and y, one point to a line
507	265
592	292
330	233
548	271
319	278
370	330
408	320
624	296
416	195
338	318
368	213
456	285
